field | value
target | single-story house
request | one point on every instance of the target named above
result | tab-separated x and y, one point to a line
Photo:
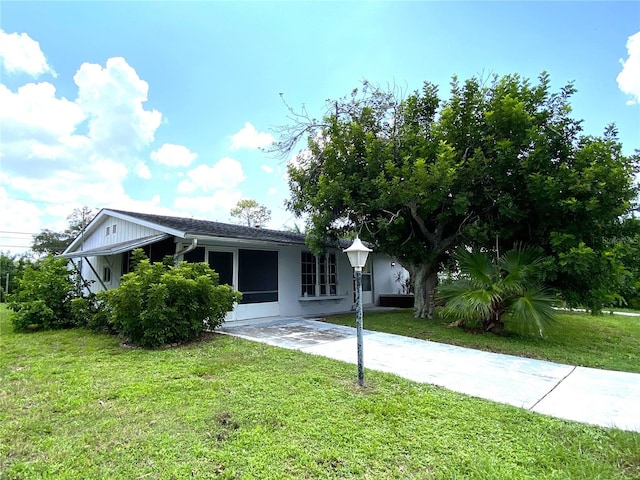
274	270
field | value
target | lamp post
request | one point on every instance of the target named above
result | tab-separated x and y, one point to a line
357	254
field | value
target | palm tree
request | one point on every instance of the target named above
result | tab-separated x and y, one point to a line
490	291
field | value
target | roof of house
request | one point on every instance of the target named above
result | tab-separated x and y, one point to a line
206	228
184	227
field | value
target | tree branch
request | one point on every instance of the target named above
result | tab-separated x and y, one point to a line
413	209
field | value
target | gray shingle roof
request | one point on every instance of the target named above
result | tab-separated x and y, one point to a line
192	226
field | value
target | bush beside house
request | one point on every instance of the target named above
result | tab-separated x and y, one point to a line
156	304
159	304
44	296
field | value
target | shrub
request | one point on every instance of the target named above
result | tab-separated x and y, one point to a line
89	311
43	298
159	304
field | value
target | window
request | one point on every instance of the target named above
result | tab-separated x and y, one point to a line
328	274
113	229
366	276
319	275
308	264
108	230
106	274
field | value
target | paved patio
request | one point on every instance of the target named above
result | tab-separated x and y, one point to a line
598	397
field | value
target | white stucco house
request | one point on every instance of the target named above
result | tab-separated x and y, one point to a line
274	270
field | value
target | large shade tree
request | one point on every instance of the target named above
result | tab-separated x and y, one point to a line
500	162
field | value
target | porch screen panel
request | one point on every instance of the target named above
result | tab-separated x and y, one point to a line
196	255
258	276
222	263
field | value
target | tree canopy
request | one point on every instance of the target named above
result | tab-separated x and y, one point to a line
49	241
500	162
250	213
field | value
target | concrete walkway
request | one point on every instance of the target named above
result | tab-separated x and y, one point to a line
598	397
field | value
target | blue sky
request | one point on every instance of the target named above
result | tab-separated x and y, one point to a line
162	106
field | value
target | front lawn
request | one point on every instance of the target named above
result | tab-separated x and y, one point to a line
605	341
74	404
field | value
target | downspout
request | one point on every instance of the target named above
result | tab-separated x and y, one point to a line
194	244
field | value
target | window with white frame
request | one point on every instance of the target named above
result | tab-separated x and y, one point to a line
308	267
319	274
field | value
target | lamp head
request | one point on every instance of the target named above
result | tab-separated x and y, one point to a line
357	254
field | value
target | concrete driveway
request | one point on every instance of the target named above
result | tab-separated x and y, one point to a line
598	397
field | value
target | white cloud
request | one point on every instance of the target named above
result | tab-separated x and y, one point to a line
20	217
142	170
20	53
211	191
173	155
225	174
112	98
272	191
629	78
267	168
249	137
215	207
67	154
34	112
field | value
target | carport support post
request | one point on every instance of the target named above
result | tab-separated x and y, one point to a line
358	273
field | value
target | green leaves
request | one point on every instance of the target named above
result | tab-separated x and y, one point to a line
43	298
158	304
490	291
500	158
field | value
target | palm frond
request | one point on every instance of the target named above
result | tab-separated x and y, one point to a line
533	310
476	266
520	265
463	302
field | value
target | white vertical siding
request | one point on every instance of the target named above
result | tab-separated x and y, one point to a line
125	231
114	262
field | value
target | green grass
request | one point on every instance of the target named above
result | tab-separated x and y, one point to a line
606	341
74	404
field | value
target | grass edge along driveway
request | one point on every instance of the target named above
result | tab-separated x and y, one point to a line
609	342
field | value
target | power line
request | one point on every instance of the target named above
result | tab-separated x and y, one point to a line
18	233
29	200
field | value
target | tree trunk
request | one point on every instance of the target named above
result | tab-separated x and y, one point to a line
494	326
425	280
